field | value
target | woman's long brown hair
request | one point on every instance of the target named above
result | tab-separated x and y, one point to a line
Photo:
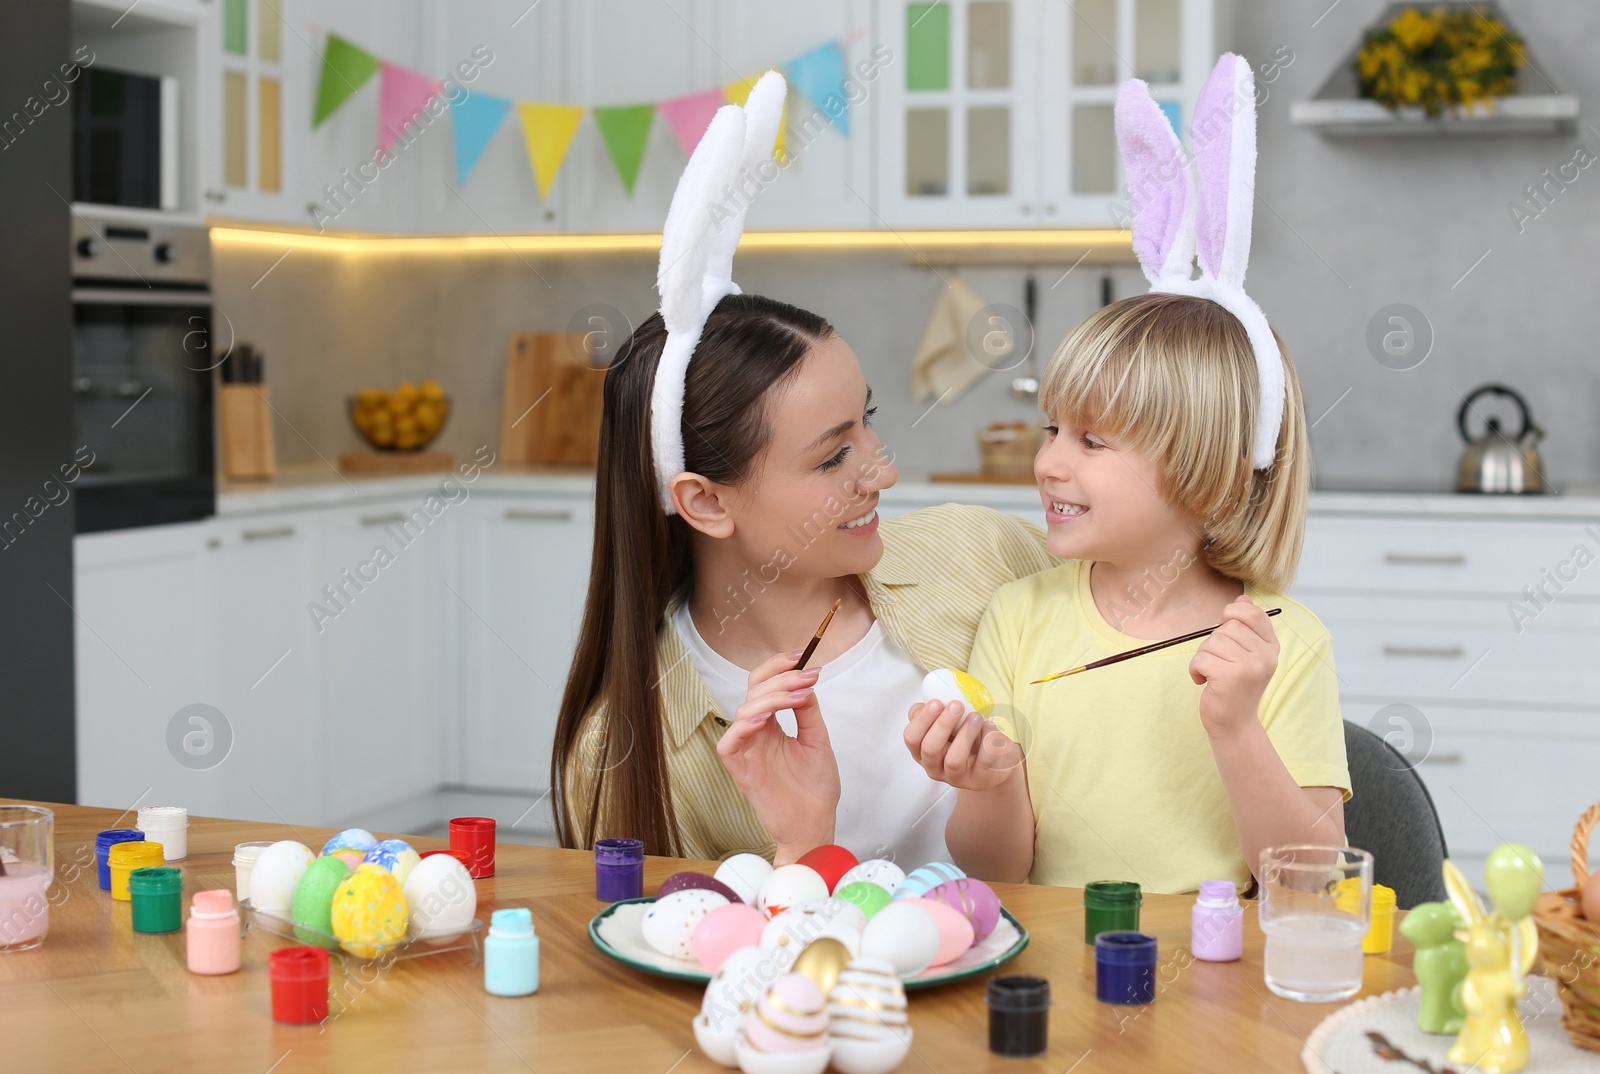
642	558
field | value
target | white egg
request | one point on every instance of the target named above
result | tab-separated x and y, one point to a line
275	875
441	896
949	685
670	921
881	871
800	925
903	934
736	987
789	885
744	873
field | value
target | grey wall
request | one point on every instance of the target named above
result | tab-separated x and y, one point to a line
1342	230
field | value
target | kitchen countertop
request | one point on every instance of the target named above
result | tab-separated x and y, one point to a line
321	485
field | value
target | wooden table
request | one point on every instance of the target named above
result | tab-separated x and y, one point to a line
97	996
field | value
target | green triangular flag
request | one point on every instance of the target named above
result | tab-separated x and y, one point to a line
625	129
344	68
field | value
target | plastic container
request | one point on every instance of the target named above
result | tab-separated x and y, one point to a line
124	858
299	984
1019	1016
1216	927
244	860
1125	967
103	842
618	869
169	826
511	954
475	836
212	933
157	896
1379	937
1110	906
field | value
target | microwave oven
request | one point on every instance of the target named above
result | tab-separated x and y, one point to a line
125	140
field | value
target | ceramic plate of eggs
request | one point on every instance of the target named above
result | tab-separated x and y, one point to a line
931	926
365	896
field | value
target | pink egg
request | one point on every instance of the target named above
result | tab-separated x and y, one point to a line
723	931
955	931
791	1017
682	881
975	899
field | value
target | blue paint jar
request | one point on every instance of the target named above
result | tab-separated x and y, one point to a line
103	842
618	869
1125	967
511	954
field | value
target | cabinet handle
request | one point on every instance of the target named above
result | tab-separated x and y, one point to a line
1050	208
1451	757
1026	208
1446	651
217	196
1414	559
382	520
268	535
523	514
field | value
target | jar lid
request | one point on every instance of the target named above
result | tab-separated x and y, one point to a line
159	880
1112	893
1125	948
1348	896
1018	994
134	852
1218	892
164	816
618	851
298	963
218	902
464	824
513	922
106	839
247	853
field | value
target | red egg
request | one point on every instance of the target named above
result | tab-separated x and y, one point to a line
684	881
831	862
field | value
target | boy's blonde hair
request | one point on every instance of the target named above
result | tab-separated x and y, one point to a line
1174	377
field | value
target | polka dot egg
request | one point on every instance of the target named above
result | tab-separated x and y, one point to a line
369	912
669	924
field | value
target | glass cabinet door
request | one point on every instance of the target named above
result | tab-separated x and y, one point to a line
247	124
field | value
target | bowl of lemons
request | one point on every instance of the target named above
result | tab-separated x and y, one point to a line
404	419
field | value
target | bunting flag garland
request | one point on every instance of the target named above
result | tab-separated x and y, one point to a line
820	75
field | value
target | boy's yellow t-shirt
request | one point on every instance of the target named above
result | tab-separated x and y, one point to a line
1120	770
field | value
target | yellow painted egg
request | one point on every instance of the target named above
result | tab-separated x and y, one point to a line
369	912
948	684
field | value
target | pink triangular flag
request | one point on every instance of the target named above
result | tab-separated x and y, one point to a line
402	93
689	116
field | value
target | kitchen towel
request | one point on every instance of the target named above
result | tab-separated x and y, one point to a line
946	361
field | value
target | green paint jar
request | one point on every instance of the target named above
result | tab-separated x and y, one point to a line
157	899
1110	906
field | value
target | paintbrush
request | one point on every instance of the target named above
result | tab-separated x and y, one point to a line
1131	653
811	646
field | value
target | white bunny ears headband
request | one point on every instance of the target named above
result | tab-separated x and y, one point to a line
697	244
1177	213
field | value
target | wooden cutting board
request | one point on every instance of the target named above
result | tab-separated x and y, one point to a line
551	412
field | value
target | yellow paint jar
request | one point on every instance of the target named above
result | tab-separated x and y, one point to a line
1380	929
124	858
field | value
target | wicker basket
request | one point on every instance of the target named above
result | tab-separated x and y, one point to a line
1569	945
1007	448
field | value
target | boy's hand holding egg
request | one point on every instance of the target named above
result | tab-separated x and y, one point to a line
1235	663
955	744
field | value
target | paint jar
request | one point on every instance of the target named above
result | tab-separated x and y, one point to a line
1216	925
157	896
1379	937
212	933
1110	906
1019	1016
103	842
244	860
511	954
475	835
1125	967
460	855
169	826
618	869
125	858
299	984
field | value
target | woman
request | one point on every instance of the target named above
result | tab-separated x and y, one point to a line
694	621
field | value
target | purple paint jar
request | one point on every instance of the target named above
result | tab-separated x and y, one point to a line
1216	930
618	869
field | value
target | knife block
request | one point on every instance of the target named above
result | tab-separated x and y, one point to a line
245	418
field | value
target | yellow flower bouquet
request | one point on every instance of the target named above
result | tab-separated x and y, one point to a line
1449	57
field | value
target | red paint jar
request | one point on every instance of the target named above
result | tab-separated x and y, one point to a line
299	984
460	855
475	837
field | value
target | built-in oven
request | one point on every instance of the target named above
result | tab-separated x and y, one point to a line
143	362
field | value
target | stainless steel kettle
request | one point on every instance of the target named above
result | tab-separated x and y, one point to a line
1496	461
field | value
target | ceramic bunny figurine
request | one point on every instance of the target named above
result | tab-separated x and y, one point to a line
1440	964
1501	948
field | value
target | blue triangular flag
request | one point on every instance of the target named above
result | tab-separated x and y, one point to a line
820	76
473	121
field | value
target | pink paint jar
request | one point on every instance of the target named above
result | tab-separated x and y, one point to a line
212	933
1216	928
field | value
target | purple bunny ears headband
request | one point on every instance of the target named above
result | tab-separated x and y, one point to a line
1177	213
697	243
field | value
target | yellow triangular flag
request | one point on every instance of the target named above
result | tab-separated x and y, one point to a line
548	129
737	92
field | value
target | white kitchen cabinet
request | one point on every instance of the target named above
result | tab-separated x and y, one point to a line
526	571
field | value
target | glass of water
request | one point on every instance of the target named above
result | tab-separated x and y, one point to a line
1312	922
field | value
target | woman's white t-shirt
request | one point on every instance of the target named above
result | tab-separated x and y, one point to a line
888	806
